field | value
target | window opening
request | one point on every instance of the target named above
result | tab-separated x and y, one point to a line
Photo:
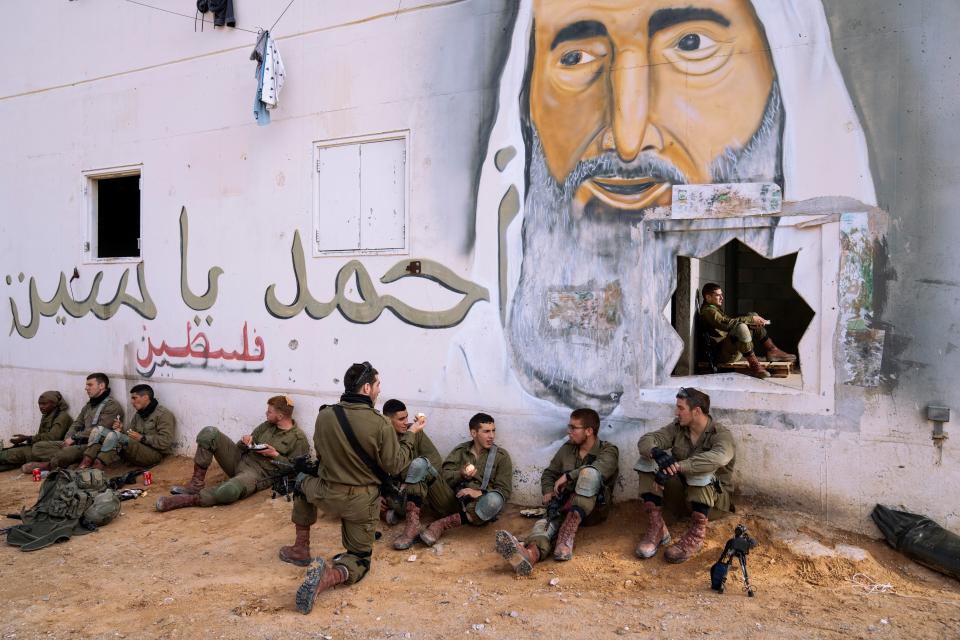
750	283
114	216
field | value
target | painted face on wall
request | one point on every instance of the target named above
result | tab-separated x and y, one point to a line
637	96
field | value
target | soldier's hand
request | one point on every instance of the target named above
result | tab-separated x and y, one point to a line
469	471
247	440
418	425
270	452
547	497
117	425
383	505
560	484
760	321
469	493
135	435
67	443
673	469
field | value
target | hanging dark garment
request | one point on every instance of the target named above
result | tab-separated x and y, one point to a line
222	11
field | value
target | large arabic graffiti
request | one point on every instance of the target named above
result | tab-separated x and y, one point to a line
373	303
63	299
197	353
192	300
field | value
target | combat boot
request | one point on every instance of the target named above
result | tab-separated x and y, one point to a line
411	528
86	463
757	370
298	553
657	534
521	556
431	534
568	530
169	503
195	484
319	578
30	466
691	542
776	354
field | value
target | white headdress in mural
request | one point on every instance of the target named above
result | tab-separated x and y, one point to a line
824	150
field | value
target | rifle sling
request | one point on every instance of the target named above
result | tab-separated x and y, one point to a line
357	449
488	469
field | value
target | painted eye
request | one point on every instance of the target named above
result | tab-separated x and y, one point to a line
576	57
695	42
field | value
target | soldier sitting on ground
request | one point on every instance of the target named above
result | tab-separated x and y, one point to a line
54	423
734	337
577	488
94	421
696	457
477	481
247	461
419	481
144	442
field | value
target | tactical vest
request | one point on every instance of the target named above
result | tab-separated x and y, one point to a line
70	503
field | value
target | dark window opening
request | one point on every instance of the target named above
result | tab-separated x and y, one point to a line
118	217
750	283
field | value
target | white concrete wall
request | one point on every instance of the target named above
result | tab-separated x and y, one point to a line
127	85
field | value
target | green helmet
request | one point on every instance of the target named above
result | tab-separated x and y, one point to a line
105	507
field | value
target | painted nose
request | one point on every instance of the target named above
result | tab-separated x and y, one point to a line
632	131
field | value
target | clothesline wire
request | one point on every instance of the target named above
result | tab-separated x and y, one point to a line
203	19
281	15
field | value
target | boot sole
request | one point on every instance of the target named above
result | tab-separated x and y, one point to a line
300	562
307	593
507	548
667	539
178	490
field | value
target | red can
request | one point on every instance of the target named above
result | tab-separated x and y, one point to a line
36	475
147	478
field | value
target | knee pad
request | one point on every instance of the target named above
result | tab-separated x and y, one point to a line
646	465
207	438
489	505
419	470
228	492
589	482
114	440
97	434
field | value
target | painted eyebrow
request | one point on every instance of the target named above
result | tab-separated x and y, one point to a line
578	31
665	18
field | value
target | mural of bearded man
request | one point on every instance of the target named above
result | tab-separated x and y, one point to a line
614	102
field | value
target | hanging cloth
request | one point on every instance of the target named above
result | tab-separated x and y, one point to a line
270	76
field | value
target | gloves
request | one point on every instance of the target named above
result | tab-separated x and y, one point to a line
662	458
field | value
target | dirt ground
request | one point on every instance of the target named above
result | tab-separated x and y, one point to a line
214	573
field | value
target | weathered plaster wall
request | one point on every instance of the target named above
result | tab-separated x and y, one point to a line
142	88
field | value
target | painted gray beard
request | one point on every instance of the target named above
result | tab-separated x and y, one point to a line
589	363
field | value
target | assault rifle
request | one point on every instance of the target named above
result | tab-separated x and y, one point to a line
284	482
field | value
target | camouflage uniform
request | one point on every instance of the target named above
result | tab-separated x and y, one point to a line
249	471
731	335
157	429
95	420
588	478
346	487
706	468
52	428
495	495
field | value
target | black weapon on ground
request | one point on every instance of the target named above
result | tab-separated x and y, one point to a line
284	483
119	482
17	445
664	461
737	547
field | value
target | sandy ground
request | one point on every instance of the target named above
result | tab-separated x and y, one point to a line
214	573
